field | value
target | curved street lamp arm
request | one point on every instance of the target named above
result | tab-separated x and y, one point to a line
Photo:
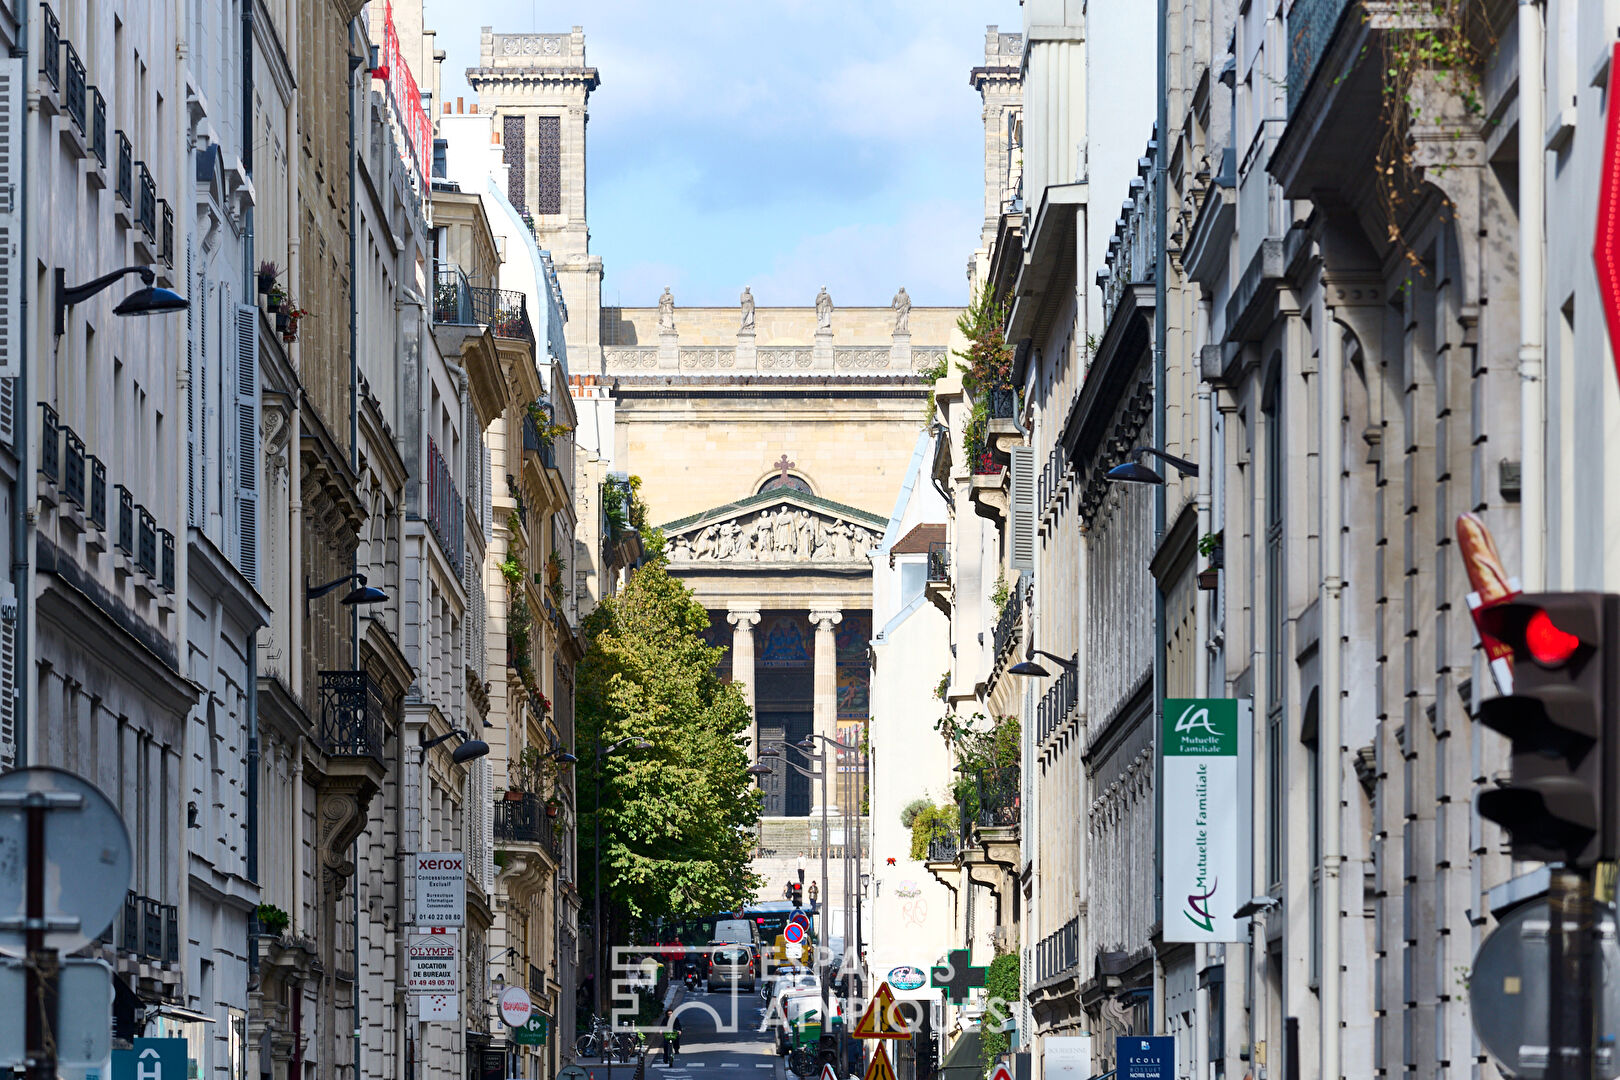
1185	467
66	297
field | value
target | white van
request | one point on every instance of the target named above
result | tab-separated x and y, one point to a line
736	932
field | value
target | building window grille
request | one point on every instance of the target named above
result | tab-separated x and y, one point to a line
73	467
126	171
146	550
98	125
50	47
351	715
513	153
50	445
125	537
74	96
98	493
548	164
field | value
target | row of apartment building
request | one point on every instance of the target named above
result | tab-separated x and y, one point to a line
284	562
1343	275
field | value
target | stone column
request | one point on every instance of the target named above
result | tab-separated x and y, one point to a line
826	678
743	621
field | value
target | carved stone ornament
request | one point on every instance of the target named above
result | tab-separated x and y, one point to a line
774	533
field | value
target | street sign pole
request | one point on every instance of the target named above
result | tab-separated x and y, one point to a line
40	977
1572	972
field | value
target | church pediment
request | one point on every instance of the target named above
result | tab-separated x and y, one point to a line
775	529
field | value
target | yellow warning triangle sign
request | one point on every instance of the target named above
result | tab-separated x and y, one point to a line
879	1067
880	1021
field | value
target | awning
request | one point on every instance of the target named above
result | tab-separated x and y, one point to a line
963	1062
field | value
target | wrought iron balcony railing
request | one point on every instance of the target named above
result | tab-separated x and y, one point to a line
146	542
50	47
1059	951
996	799
452	297
98	125
124	182
1003	403
446	512
166	576
504	311
535	443
73	96
166	248
146	210
148	928
352	715
97	510
73	466
1010	626
124	535
50	444
944	848
524	820
939	561
1056	704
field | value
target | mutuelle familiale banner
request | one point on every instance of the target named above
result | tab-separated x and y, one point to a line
1206	813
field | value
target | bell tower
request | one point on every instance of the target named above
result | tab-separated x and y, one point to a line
539	87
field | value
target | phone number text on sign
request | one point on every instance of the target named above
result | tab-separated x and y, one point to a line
433	963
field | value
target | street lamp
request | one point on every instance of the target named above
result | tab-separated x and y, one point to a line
469	749
634	742
1134	472
149	300
360	594
1030	667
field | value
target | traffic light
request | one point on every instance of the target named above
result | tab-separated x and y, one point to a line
796	893
1563	718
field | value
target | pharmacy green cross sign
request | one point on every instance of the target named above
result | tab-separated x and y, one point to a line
958	976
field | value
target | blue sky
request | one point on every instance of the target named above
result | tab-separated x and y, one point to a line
782	144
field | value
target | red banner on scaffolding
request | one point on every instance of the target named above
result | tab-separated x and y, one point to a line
407	101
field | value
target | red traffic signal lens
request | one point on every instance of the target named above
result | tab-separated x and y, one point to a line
1549	646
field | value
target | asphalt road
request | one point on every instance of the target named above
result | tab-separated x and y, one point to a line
721	1039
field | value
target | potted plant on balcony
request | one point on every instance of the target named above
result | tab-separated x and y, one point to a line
268	272
273	922
553	807
513	795
554	575
275	298
289	333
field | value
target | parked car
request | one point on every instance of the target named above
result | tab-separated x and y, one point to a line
731	965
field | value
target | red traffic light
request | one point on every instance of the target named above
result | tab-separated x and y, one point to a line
1548	645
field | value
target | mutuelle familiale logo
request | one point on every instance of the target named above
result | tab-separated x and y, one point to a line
1200	739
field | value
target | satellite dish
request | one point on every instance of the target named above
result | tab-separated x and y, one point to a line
86	858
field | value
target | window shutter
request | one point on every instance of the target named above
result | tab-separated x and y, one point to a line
8	411
247	440
8	685
12	91
1023	508
193	516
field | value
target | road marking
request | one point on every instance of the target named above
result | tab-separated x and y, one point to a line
764	1066
730	1065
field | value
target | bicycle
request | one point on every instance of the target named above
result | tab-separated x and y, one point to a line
596	1042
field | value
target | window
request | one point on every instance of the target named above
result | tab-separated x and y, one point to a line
1313	810
913	573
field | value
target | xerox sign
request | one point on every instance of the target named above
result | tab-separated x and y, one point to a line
441	888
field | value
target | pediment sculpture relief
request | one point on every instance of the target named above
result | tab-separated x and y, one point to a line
780	534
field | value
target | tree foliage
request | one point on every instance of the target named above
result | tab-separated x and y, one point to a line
1001	1001
677	817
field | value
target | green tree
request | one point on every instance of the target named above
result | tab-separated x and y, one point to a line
677	818
1001	998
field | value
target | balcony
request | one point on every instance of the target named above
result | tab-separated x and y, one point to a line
50	446
1003	403
97	510
521	818
72	466
1059	952
146	542
124	183
73	95
146	207
1055	706
98	127
458	302
166	578
994	801
124	535
939	561
166	247
1010	626
148	929
944	849
50	47
536	443
509	313
446	512
352	716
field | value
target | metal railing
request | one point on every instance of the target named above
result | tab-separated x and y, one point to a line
98	125
50	444
1058	951
166	578
146	542
97	510
73	97
167	247
146	211
1009	628
72	467
124	536
1056	704
124	182
944	848
535	443
452	297
351	715
939	561
997	798
457	301
50	47
148	928
446	511
1003	403
509	317
524	821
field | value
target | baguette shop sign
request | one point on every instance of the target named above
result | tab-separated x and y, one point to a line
441	888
